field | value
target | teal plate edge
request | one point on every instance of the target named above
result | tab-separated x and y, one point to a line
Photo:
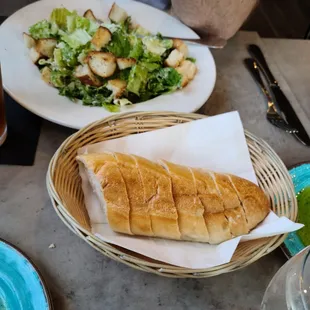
300	175
17	259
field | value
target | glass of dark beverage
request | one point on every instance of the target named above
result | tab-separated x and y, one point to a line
3	124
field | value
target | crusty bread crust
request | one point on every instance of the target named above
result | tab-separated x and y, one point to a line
170	201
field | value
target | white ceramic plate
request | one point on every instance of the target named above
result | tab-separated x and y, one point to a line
22	80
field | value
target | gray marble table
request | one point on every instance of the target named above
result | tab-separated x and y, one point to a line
82	279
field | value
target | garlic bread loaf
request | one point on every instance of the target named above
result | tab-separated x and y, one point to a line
166	200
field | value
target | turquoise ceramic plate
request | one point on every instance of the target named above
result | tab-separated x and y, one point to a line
301	178
21	286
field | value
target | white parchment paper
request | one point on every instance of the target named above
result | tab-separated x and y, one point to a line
216	143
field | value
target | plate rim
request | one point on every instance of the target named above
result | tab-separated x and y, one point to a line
45	288
74	123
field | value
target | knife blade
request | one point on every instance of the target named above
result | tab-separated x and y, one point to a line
278	95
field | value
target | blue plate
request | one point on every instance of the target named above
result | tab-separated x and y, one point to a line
301	179
21	286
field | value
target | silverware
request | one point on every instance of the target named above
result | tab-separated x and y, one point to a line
210	41
279	98
272	115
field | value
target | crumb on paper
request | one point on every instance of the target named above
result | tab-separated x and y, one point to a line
52	246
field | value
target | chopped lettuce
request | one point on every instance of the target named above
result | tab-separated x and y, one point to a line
126	24
70	21
136	47
68	55
156	45
77	38
75	21
59	17
124	74
92	96
111	107
137	79
150	66
163	81
43	29
58	62
60	78
112	27
119	45
150	57
65	56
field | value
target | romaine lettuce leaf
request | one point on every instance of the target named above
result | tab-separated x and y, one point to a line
58	62
119	45
136	50
151	57
111	107
124	74
68	55
126	24
162	81
92	96
75	21
137	79
112	27
61	78
77	38
150	66
59	17
42	29
156	45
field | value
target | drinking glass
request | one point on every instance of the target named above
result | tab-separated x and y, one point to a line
290	287
3	124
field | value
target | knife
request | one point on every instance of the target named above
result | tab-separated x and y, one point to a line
279	96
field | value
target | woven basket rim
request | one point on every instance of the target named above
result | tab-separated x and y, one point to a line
130	259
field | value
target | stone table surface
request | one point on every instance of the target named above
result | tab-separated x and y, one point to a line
81	278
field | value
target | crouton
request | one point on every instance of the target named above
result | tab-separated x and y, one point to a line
174	59
102	64
86	76
46	75
117	14
46	47
35	56
188	70
90	15
190	67
101	38
117	87
180	46
124	63
29	40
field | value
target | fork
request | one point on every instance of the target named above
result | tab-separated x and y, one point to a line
272	114
276	119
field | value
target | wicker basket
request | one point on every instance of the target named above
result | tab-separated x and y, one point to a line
64	187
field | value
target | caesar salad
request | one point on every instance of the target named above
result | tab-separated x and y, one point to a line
110	63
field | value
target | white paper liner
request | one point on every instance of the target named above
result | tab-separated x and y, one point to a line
216	143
